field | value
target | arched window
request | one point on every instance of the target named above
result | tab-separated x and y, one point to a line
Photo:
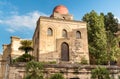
64	33
78	35
49	32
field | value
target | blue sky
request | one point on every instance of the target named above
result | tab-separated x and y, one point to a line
18	17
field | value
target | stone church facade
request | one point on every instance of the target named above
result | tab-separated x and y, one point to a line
60	38
57	38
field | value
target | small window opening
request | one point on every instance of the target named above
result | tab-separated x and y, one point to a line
64	33
49	32
78	35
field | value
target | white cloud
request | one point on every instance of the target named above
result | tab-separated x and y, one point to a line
0	21
7	5
10	30
0	52
17	22
118	19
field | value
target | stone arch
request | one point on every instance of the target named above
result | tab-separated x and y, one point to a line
64	33
64	51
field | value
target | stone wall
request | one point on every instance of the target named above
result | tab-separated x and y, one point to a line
45	44
16	71
68	70
11	51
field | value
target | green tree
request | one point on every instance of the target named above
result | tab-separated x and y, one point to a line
111	26
57	76
34	70
111	23
113	50
26	46
100	73
96	37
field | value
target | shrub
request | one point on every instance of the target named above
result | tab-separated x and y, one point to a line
34	70
100	73
33	77
24	58
84	61
57	76
52	62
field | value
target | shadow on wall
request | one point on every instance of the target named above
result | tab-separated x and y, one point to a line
75	78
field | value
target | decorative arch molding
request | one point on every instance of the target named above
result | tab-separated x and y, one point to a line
64	33
50	27
67	27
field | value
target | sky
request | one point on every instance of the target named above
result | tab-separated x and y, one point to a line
18	17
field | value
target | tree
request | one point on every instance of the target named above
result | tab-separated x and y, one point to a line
113	50
57	76
111	23
100	73
111	27
96	36
34	70
26	46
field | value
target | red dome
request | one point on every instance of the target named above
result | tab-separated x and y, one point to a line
61	9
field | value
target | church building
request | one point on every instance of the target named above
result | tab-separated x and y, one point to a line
60	38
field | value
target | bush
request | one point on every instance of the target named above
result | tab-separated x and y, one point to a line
34	70
84	61
24	58
52	62
100	73
57	76
33	77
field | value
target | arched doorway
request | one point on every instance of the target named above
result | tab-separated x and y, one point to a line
64	52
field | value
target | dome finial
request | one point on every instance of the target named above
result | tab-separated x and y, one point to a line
60	9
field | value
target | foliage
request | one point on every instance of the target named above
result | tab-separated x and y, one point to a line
96	36
26	46
34	70
111	26
112	47
33	77
118	77
100	73
52	62
84	61
24	58
111	23
57	76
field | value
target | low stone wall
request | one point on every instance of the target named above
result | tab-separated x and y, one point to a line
68	70
16	71
71	71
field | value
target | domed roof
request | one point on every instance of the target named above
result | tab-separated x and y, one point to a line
60	9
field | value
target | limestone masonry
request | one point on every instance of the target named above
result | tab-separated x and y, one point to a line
60	38
56	38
